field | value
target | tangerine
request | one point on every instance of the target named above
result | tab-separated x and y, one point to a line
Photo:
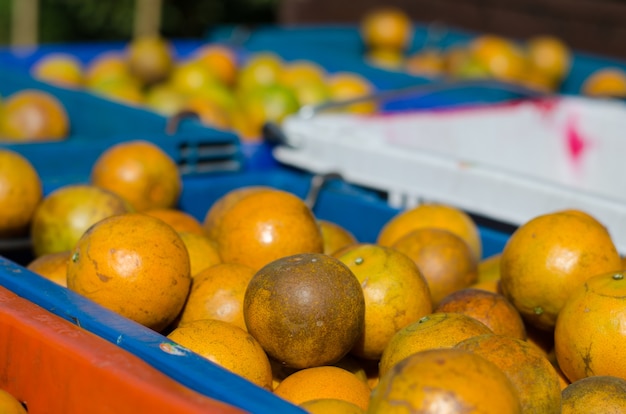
33	115
386	27
52	266
61	69
598	394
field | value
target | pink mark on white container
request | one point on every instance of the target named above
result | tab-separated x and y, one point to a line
576	143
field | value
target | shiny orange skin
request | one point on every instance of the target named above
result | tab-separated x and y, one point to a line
66	213
228	346
52	266
180	221
600	394
437	330
533	376
444	259
386	27
217	292
21	191
305	310
202	251
331	406
547	258
445	381
396	294
33	115
335	236
432	215
324	382
141	173
267	225
589	332
135	265
492	309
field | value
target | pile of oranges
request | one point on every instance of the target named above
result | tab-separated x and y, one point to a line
541	62
225	90
298	306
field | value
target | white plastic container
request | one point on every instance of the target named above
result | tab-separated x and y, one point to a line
509	162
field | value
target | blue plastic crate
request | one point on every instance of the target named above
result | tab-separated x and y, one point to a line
361	212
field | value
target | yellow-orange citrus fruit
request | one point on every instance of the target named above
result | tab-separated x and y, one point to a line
432	215
331	406
66	213
396	294
445	381
217	292
179	220
135	265
437	330
550	56
202	251
52	266
228	346
220	60
21	191
533	376
150	58
9	404
305	310
33	115
345	86
335	236
502	58
386	27
492	309
141	173
606	82
599	394
61	69
444	259
588	331
261	69
266	225
324	382
548	257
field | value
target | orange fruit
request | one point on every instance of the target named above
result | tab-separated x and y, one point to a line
228	346
219	208
217	292
66	213
150	58
487	285
52	266
445	380
432	215
396	294
61	69
21	192
178	219
324	382
444	259
386	58
140	172
492	309
135	265
107	67
191	76
548	257
305	310
269	103
489	268
426	62
264	225
437	330
335	236
33	115
502	58
331	406
599	394
344	86
209	113
260	69
9	404
387	27
202	252
164	99
299	72
123	90
550	56
605	82
533	376
220	60
588	333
